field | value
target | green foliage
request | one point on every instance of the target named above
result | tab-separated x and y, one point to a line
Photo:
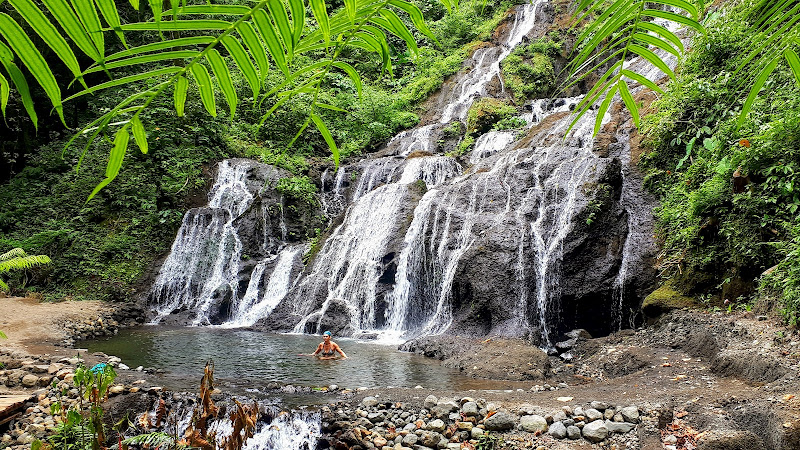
315	245
486	112
489	441
81	426
509	123
298	188
528	71
729	189
154	440
17	259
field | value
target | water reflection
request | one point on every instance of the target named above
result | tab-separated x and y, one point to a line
259	358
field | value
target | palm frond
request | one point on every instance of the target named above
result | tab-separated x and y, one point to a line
255	37
618	32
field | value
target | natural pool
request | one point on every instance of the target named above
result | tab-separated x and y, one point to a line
249	360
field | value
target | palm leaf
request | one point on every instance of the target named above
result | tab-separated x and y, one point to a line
321	15
298	10
281	19
203	81
33	60
243	62
223	79
759	83
5	91
91	23
139	134
256	48
114	160
327	136
71	24
181	86
270	36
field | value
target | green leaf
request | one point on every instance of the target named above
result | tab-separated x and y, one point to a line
206	88
321	15
681	4
22	88
33	60
139	135
677	18
630	103
4	287
298	10
114	160
352	72
653	58
270	36
91	23
135	4
109	11
71	24
157	7
642	80
143	59
393	24
178	25
663	32
350	8
126	80
655	42
256	48
181	85
37	20
230	10
161	45
281	19
327	135
5	91
760	80
223	75
243	62
601	112
416	17
794	63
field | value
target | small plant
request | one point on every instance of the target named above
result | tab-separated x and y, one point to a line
510	123
488	441
17	259
298	188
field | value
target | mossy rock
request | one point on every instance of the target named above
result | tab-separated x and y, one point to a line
665	299
486	112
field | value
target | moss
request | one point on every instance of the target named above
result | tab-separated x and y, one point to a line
665	299
528	72
486	112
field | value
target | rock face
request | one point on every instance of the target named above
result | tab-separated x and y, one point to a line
524	238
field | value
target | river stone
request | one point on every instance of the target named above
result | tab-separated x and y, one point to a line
410	439
449	403
436	425
578	411
595	431
430	438
369	402
430	401
410	427
469	409
30	380
593	414
573	432
476	433
630	414
379	442
559	416
500	421
600	406
566	345
608	414
558	430
533	423
619	427
464	426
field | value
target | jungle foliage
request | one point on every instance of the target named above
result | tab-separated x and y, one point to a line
726	165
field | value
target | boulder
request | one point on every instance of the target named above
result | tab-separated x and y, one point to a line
558	430
573	432
500	421
665	299
533	423
595	431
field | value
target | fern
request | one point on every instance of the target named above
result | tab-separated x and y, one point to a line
268	33
154	440
17	259
619	31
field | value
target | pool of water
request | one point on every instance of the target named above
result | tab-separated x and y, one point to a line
250	359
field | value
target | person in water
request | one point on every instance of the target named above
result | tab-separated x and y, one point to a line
327	349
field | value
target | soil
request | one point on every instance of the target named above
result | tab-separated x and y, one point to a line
38	328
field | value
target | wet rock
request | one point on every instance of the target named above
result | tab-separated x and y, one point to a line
430	401
500	421
566	345
533	423
369	402
579	334
595	431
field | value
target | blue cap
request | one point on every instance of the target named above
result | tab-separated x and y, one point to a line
327	333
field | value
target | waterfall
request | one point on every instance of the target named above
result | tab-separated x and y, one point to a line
204	259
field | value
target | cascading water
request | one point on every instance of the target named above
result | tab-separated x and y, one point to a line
419	236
